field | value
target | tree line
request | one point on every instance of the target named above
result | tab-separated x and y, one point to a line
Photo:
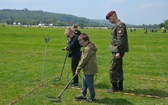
28	17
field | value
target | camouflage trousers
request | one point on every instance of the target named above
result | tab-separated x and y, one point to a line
116	69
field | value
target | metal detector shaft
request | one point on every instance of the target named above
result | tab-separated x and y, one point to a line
59	96
63	65
45	52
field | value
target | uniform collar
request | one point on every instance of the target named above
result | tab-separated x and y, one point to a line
117	23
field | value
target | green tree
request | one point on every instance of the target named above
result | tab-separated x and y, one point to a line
81	25
166	24
161	25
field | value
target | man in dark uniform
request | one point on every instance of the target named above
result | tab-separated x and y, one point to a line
74	52
118	47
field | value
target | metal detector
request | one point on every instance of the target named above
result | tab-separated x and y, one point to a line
59	78
45	52
58	98
70	74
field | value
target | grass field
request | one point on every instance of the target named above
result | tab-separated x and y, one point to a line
22	57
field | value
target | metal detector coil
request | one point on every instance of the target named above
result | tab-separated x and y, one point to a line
58	98
47	40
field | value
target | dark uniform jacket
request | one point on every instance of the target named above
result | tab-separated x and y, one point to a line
77	32
74	48
119	39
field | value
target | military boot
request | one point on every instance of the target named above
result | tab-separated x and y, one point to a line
113	89
120	86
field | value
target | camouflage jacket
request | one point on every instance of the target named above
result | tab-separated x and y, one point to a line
119	39
88	60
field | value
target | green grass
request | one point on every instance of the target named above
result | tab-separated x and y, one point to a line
22	57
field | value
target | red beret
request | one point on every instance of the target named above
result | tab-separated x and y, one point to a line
109	14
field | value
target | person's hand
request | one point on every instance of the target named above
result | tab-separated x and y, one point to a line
69	39
76	72
117	55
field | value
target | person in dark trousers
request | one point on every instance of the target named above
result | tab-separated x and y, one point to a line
88	64
76	31
74	53
118	47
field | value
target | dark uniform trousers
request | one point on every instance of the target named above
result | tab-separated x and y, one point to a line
116	71
74	65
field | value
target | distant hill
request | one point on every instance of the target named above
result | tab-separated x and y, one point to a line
35	17
29	17
102	21
107	23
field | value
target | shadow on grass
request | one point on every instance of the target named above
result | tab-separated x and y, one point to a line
154	92
113	101
102	86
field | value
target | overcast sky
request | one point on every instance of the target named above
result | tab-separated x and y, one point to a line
136	12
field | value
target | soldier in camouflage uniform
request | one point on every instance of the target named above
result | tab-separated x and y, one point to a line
118	47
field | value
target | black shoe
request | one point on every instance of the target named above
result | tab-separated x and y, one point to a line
91	99
80	98
111	90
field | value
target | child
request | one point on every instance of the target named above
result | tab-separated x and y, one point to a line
75	29
88	63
